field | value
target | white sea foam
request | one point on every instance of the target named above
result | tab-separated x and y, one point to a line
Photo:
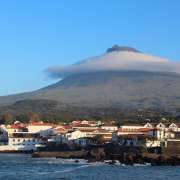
139	165
65	170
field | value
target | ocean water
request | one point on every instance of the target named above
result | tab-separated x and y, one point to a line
20	166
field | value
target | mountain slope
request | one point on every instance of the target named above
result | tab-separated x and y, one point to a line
125	89
121	77
133	89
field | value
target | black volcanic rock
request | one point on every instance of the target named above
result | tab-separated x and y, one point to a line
117	48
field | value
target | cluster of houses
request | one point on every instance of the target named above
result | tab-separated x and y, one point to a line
34	135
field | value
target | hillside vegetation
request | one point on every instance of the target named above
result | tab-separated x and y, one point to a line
103	95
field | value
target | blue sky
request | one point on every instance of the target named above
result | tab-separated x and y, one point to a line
37	34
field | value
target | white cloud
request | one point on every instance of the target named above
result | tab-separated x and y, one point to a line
117	61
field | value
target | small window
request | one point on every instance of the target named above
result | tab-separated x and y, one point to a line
13	140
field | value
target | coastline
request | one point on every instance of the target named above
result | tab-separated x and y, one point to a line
99	155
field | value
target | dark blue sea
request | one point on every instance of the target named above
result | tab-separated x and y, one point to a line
19	166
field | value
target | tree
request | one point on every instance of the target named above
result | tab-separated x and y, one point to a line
97	139
8	118
34	117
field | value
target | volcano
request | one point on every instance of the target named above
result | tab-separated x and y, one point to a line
121	77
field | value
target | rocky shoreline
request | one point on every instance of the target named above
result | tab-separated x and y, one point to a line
103	155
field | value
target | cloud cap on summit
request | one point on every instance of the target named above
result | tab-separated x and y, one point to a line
117	58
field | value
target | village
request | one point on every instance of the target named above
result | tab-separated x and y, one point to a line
40	136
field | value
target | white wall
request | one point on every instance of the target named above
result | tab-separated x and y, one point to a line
42	130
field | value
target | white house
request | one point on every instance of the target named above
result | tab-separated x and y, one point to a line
14	128
173	127
76	134
3	135
111	128
148	125
22	141
161	126
44	129
131	127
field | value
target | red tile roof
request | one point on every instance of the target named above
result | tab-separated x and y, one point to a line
40	124
13	126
